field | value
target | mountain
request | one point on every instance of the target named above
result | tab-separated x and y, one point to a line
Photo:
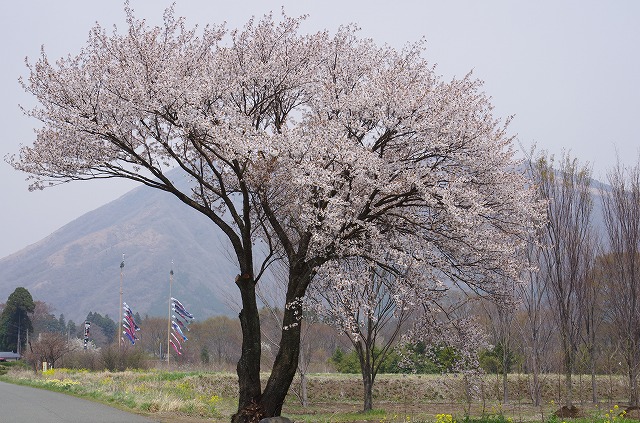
77	268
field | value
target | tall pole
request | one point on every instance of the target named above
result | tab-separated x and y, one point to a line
169	317
119	324
18	346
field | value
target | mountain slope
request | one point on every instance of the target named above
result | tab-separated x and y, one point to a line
77	268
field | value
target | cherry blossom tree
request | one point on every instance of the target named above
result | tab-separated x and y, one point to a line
320	147
370	306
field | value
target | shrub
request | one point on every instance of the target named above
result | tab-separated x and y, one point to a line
114	358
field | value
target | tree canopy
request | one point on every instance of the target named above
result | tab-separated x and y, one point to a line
321	147
15	321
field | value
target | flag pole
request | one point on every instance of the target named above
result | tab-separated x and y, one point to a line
118	334
169	317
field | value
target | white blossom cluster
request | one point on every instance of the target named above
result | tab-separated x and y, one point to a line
342	148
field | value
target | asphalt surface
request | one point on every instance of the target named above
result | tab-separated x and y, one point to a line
20	404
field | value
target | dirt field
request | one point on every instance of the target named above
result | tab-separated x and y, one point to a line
421	397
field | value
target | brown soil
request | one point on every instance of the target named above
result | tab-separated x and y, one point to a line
570	412
631	413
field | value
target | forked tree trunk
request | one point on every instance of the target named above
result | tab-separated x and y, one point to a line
367	384
536	389
255	403
365	353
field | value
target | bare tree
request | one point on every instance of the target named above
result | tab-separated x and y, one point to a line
501	314
590	300
536	328
48	348
566	247
218	339
622	220
154	338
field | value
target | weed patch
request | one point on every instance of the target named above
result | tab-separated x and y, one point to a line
212	397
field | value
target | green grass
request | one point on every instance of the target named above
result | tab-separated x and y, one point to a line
376	415
147	392
5	366
487	419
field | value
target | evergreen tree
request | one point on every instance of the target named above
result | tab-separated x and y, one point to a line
62	325
108	326
15	322
72	329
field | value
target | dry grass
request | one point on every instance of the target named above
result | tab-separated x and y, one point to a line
204	396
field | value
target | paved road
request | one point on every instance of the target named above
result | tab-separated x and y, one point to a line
22	404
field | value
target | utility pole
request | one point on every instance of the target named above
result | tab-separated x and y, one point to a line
169	317
118	334
18	347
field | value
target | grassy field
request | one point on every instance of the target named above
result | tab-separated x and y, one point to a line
197	396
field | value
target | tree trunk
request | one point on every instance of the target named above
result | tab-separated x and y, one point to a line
367	383
248	367
633	386
285	364
594	386
568	386
594	389
303	389
536	388
287	359
535	368
365	356
302	370
254	403
505	386
568	368
505	371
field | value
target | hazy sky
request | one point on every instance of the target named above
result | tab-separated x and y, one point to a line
569	71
